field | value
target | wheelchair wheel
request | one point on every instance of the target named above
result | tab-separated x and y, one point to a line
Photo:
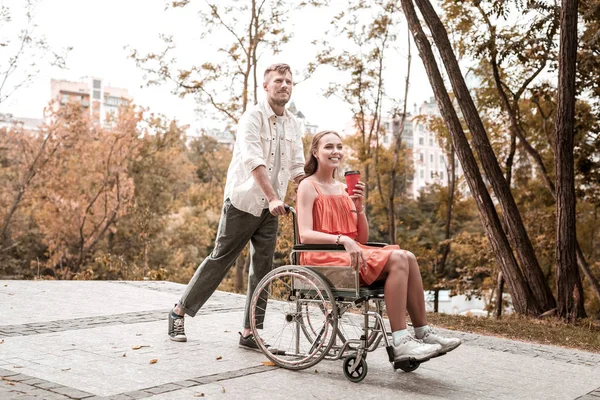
300	325
352	373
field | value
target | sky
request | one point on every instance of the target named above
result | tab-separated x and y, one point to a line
100	30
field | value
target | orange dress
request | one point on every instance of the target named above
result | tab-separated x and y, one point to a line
333	214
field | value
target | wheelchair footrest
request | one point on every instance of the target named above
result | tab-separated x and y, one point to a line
408	365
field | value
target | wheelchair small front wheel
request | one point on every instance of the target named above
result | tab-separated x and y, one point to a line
355	370
407	365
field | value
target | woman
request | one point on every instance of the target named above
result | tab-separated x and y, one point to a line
327	214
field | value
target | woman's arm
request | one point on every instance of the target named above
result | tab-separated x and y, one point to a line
362	223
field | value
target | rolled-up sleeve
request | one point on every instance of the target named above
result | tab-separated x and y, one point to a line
297	166
250	142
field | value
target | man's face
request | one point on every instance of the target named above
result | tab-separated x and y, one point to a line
278	87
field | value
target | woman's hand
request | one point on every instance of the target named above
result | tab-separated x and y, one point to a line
357	197
357	260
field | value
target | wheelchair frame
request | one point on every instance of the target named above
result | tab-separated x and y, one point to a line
309	308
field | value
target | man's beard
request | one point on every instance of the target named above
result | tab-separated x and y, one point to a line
280	102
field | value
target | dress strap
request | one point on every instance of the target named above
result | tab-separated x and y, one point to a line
316	187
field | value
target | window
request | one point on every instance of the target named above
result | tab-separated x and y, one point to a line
97	83
431	173
441	159
65	99
422	174
431	158
96	95
431	141
421	158
421	141
441	174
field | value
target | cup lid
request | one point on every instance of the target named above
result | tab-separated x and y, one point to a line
351	173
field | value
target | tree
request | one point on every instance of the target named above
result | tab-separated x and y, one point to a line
568	281
370	28
22	50
241	32
524	301
507	76
515	229
86	187
28	154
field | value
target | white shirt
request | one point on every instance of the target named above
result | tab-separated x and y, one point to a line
255	146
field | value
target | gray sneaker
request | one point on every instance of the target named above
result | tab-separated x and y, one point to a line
409	347
176	329
447	344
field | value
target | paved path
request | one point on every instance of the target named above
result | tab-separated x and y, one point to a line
81	340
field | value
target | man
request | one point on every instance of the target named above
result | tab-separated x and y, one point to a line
267	154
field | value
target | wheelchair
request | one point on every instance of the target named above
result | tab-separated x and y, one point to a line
320	312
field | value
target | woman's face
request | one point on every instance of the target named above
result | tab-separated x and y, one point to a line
329	151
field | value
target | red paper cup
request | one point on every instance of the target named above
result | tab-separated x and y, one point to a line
352	178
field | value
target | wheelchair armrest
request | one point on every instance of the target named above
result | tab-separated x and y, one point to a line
319	247
330	247
376	244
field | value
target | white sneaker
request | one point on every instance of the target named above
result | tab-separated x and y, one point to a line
410	347
446	344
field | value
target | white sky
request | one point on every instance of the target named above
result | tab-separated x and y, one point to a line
98	30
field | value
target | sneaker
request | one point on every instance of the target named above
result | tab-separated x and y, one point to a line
410	347
249	342
447	344
176	329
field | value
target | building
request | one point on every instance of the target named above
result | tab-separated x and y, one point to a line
429	159
29	124
92	94
306	127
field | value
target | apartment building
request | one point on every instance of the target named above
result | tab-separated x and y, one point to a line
429	159
101	100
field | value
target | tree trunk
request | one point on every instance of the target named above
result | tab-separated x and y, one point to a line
517	234
523	299
512	110
499	294
568	282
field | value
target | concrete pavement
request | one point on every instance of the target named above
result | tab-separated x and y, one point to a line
81	339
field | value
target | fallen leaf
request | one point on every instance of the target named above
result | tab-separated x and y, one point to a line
154	361
268	363
226	331
316	372
66	369
124	354
1	341
17	366
138	334
219	357
199	395
6	378
10	383
223	389
139	346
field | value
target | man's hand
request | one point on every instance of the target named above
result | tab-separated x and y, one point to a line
277	207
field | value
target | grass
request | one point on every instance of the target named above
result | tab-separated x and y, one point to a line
584	335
